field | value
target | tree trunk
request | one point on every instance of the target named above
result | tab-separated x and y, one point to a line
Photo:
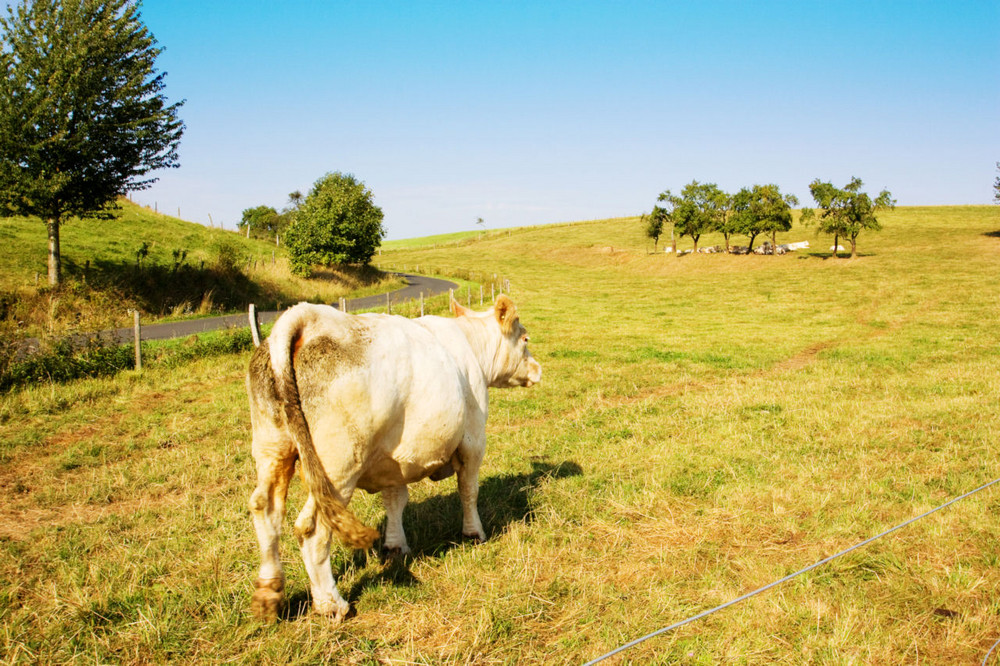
726	236
836	241
695	239
854	247
750	247
774	242
55	258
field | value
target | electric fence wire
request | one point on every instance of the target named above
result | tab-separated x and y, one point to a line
987	657
746	596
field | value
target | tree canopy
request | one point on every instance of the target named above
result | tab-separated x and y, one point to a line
655	222
338	223
762	209
846	212
260	222
83	117
699	209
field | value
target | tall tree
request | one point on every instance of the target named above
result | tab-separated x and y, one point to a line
763	209
338	223
724	218
83	118
699	209
846	212
655	222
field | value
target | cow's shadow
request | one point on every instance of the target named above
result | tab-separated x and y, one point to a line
434	528
434	525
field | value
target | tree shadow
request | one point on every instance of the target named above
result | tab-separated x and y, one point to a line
841	256
992	234
155	287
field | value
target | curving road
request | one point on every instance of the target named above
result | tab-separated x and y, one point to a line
415	286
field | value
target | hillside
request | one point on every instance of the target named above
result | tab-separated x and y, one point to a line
705	425
156	263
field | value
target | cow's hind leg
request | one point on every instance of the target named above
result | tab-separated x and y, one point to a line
267	506
394	499
314	539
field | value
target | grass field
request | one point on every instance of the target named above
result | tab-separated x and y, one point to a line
705	425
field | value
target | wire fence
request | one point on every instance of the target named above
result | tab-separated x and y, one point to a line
789	577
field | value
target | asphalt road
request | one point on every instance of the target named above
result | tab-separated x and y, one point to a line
415	286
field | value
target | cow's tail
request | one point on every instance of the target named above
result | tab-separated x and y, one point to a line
283	340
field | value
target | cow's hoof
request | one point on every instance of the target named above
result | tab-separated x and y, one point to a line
395	553
337	609
474	538
268	599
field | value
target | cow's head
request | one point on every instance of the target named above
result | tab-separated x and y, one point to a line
512	363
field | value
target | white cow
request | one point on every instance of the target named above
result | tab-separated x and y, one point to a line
373	402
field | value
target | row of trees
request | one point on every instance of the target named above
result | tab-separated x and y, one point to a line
703	208
336	223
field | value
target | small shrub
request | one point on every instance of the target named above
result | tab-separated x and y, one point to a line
63	362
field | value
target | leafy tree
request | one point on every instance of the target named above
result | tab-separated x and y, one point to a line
260	222
655	222
724	218
83	118
338	223
742	215
762	209
287	215
846	212
699	209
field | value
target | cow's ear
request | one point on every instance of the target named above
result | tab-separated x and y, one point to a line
457	308
505	313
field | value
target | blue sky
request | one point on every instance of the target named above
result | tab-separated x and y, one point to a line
535	112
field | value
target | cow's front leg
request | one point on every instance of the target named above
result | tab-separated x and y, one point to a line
267	506
394	499
467	460
314	540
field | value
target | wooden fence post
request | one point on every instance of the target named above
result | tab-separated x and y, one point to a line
138	336
480	295
388	305
421	304
254	325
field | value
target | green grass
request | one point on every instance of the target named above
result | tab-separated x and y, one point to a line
706	424
190	270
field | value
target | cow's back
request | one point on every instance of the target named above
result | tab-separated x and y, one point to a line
387	401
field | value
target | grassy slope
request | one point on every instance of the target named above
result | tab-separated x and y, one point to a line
113	241
111	282
705	425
